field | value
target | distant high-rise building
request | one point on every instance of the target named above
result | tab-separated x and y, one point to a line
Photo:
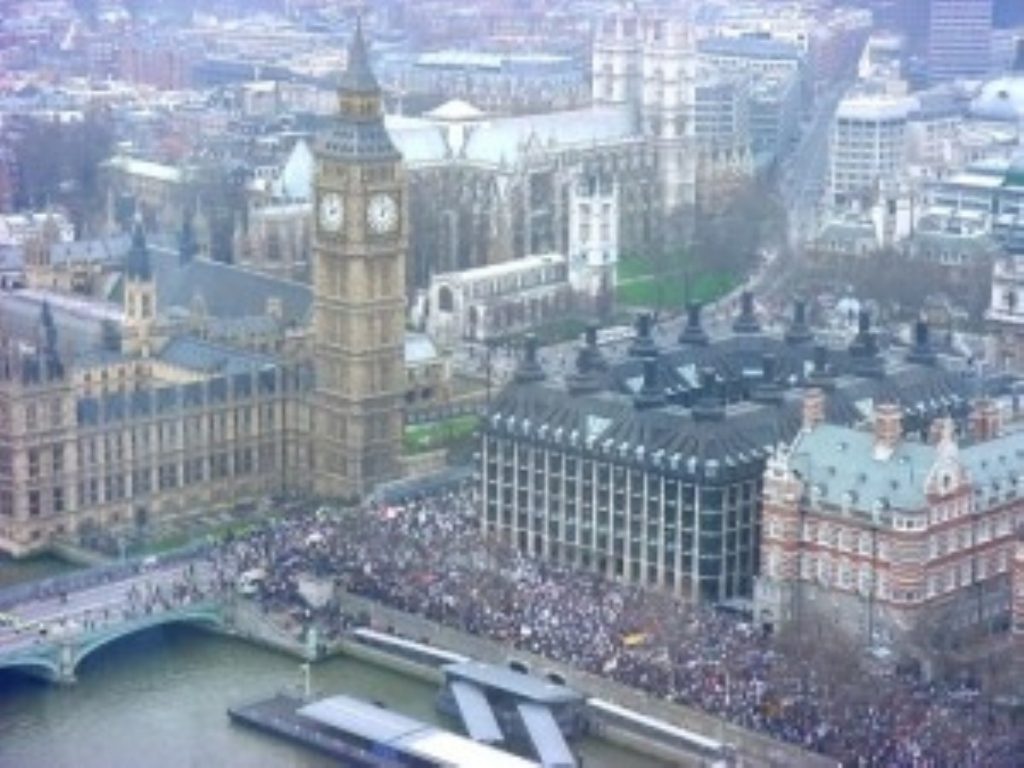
908	17
1008	13
914	23
959	39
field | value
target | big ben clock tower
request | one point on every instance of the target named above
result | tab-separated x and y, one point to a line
359	255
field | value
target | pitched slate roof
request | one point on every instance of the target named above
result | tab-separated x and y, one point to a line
79	322
226	290
198	355
505	139
110	249
609	421
842	468
610	424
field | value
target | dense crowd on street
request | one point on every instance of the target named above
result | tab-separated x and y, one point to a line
427	557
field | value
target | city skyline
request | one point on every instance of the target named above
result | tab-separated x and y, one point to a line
528	383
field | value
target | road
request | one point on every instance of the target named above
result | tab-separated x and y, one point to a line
805	171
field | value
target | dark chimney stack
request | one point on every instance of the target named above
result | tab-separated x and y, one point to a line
865	360
643	344
863	322
693	334
587	378
768	390
709	405
529	370
820	375
747	320
650	395
595	360
921	351
799	332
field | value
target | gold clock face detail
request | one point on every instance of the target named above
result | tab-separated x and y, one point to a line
382	214
332	212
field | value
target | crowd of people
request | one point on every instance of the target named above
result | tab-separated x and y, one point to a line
428	557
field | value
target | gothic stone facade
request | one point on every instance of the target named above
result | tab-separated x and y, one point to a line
132	441
359	256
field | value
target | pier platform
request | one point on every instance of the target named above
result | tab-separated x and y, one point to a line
365	735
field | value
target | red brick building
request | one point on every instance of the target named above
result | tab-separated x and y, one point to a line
893	538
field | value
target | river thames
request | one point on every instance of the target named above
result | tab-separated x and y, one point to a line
160	699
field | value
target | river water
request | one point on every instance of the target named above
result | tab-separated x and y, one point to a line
160	699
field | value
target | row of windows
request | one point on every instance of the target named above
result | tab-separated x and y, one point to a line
615	481
718	578
828	573
113	448
966	572
553	465
731	526
115	487
37	415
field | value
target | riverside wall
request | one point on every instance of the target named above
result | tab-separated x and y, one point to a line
753	749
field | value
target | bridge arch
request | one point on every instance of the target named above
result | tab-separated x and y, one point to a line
210	617
46	669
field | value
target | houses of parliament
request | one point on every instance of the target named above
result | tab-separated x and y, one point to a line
208	384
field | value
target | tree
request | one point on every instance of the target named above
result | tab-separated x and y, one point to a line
39	151
59	164
730	240
901	284
222	202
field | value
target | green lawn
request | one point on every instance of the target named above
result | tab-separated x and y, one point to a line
645	283
420	438
631	267
659	294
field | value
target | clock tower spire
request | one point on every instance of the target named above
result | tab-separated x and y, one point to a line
359	256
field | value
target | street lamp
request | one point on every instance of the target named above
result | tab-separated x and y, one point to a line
488	351
306	670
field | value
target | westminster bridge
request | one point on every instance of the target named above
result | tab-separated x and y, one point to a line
48	628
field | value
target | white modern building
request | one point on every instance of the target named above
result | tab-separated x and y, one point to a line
868	145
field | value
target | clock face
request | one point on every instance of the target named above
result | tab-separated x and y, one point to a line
382	214
332	212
